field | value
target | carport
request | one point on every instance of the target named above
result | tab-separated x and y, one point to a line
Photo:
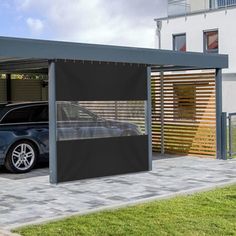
94	75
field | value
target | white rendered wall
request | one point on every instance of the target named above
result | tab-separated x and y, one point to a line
194	25
229	93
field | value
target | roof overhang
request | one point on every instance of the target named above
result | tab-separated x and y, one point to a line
18	53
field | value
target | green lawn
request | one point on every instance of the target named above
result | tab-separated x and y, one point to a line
210	213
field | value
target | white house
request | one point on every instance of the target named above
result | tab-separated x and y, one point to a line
204	26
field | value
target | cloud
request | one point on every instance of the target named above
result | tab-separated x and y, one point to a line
35	25
95	21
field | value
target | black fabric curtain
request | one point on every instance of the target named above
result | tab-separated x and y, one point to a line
96	157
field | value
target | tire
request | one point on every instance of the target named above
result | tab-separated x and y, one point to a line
21	157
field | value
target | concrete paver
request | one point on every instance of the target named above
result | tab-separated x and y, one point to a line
29	198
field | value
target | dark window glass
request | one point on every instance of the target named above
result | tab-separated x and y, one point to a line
39	114
179	42
27	114
20	115
211	41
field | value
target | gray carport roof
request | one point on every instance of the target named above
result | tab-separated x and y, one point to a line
17	54
30	56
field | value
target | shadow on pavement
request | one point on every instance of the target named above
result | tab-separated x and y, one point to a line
39	170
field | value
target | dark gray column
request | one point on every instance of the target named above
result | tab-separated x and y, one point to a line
162	112
218	113
52	124
224	136
8	87
149	117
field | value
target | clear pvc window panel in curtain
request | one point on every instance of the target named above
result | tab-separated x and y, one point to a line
99	119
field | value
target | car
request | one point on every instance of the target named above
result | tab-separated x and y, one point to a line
24	131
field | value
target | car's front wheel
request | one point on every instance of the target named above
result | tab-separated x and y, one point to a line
21	157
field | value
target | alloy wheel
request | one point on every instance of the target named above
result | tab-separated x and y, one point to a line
23	156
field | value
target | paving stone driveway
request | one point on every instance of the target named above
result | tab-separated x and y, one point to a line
29	198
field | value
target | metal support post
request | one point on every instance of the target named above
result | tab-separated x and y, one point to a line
158	32
218	95
224	136
162	113
230	137
148	123
52	124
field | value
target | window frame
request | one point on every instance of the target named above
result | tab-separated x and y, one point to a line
205	50
174	41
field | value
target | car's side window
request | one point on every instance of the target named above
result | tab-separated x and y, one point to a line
19	115
39	114
71	112
27	114
85	116
74	113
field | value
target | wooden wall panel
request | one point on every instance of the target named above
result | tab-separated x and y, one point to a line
189	114
24	90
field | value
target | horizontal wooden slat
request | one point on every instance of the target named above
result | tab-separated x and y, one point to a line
189	113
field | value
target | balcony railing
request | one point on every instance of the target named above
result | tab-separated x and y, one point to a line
178	7
226	3
184	7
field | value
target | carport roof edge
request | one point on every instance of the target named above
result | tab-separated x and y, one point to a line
20	48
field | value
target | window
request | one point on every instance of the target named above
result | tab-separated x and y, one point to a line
20	115
39	114
222	3
72	112
27	114
179	42
184	101
211	43
100	119
212	4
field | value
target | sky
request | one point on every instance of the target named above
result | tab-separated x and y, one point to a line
113	22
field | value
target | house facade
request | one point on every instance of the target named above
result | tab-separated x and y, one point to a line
204	26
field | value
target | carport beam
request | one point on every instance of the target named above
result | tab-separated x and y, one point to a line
52	124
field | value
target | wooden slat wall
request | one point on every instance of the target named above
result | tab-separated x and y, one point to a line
24	90
189	114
